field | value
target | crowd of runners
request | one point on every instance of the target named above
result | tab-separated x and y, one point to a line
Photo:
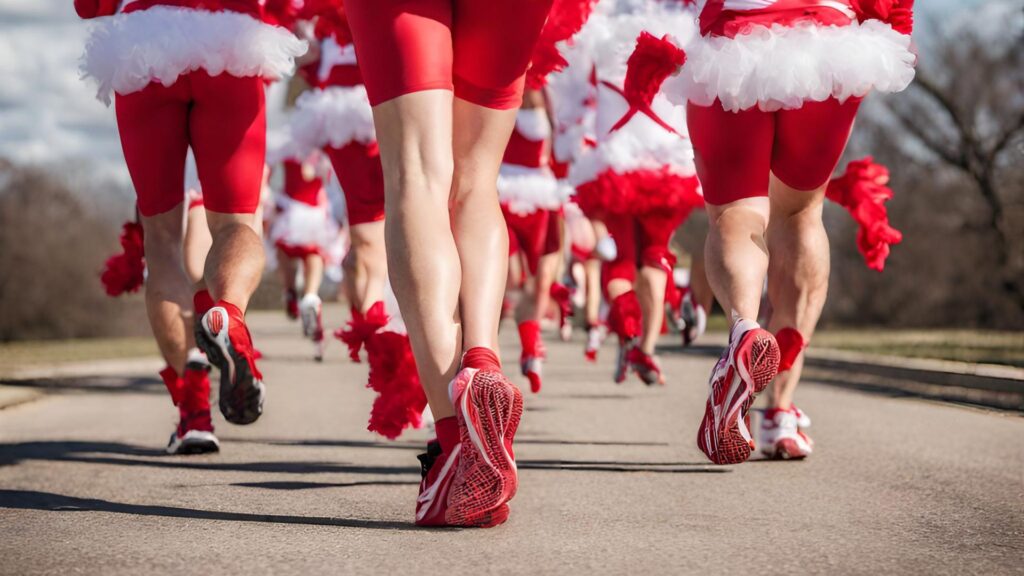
446	165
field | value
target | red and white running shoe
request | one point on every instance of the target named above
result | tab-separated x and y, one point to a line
311	311
291	304
745	369
488	409
622	360
194	434
438	472
225	339
531	360
781	436
646	367
595	337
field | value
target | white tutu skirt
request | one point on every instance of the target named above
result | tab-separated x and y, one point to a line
526	190
640	145
303	229
781	67
126	52
334	116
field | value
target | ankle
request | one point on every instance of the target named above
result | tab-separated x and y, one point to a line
447	433
481	358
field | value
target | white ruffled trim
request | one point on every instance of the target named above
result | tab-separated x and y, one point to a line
526	190
332	55
334	116
641	144
126	52
299	224
784	66
533	124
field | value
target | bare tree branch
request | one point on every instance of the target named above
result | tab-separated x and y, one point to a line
937	148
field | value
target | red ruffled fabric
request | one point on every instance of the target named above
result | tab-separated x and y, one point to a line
125	272
639	193
566	18
863	190
400	398
652	61
625	317
562	297
897	13
361	328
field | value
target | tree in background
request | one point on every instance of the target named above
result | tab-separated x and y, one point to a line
955	143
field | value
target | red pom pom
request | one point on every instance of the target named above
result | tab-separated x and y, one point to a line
652	61
361	327
565	19
640	193
562	297
625	317
897	13
863	190
400	398
125	272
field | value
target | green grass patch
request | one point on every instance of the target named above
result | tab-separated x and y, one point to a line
39	353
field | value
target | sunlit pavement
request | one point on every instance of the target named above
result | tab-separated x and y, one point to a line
611	481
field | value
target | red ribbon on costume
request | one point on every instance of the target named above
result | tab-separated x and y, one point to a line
400	399
125	272
361	328
897	13
863	190
651	62
565	19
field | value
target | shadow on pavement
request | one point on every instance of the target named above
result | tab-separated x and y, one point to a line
46	501
118	454
604	466
418	446
312	485
121	455
105	384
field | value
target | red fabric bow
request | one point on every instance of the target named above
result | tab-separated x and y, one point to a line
400	399
897	13
652	61
863	190
361	327
566	18
125	272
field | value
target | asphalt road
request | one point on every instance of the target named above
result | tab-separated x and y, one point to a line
611	483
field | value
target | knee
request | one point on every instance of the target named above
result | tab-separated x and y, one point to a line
423	179
745	216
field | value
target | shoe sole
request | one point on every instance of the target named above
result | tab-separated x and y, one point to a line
621	365
748	377
531	368
194	442
487	478
237	384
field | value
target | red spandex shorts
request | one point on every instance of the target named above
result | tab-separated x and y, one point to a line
534	235
478	48
641	241
736	151
222	118
359	172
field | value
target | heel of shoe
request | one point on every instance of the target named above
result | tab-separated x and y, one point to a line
764	360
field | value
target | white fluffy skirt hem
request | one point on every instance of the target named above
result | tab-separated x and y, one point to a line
781	67
127	52
334	116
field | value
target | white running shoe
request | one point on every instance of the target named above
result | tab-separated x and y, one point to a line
781	436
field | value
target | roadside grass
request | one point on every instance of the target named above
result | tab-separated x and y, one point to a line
15	355
976	346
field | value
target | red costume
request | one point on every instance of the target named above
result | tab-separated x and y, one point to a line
479	50
188	74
